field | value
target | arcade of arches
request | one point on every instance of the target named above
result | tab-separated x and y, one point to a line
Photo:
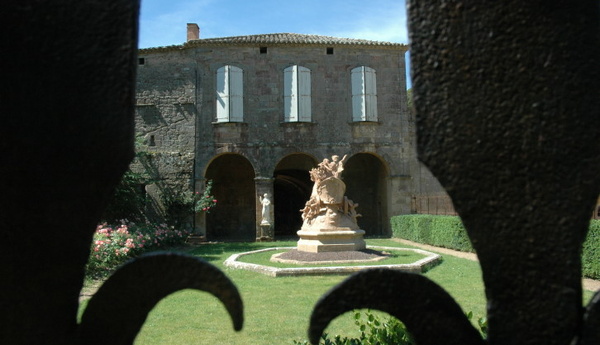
237	189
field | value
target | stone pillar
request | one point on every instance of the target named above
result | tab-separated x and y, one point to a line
400	195
264	229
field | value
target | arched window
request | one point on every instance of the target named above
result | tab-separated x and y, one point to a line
296	94
230	94
364	94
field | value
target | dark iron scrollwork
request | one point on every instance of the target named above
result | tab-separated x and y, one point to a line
428	311
506	102
116	313
590	334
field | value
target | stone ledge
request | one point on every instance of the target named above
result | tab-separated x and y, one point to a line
419	266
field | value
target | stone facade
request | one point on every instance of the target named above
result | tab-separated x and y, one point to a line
263	153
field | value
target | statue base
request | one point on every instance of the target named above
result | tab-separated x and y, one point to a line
265	234
327	240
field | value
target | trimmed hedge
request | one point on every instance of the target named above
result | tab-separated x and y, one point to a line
590	257
439	231
448	232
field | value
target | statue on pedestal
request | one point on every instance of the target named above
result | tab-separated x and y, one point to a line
329	217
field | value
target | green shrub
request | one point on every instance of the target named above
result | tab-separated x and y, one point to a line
440	231
128	200
129	197
373	331
591	251
449	232
180	205
390	331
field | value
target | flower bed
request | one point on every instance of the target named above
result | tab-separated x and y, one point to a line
113	245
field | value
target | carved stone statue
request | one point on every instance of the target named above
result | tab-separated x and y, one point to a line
329	217
266	209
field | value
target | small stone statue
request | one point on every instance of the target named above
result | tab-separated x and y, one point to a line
337	165
266	209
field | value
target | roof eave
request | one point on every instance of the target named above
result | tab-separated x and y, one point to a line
204	43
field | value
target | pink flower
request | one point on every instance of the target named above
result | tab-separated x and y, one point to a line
214	200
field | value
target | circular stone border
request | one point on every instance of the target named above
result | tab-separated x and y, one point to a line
419	266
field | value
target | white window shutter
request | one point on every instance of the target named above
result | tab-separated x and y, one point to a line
290	92
370	94
236	94
358	94
304	101
223	94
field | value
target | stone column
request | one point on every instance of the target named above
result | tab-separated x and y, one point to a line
264	229
399	196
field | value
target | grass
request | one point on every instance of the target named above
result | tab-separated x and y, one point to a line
277	310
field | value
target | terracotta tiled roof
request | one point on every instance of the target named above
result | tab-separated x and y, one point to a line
287	38
282	39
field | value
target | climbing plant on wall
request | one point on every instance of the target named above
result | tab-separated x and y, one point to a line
129	197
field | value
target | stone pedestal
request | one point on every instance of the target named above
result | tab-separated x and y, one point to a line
265	234
331	231
316	241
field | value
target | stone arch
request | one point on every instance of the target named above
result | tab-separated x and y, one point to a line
233	186
366	175
292	187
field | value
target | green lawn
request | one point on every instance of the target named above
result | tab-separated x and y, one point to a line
277	310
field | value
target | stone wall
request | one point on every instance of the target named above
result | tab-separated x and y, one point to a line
176	116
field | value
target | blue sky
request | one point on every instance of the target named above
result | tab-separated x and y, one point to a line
163	22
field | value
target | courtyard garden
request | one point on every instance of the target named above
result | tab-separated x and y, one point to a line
277	310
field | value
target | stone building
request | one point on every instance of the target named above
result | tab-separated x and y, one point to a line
255	113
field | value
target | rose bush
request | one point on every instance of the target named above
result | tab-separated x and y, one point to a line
205	201
112	245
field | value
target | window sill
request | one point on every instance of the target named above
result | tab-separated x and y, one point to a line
364	123
298	124
229	124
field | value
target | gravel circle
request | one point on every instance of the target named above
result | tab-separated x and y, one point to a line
366	254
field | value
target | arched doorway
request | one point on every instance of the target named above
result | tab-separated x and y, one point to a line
292	188
233	186
365	177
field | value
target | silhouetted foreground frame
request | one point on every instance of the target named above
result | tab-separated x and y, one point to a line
506	98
